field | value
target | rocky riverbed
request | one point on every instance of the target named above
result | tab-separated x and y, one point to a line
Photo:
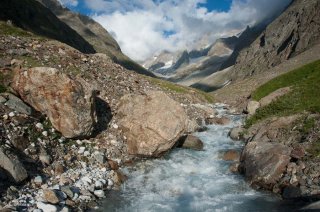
64	122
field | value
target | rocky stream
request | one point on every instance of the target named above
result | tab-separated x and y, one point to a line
188	180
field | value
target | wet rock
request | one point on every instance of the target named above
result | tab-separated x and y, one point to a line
315	206
252	107
217	120
263	163
152	123
192	142
236	133
231	155
47	207
69	104
51	196
234	168
17	104
13	166
291	192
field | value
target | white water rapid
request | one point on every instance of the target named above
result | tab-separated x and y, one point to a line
188	180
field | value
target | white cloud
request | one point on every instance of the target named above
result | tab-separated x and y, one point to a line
72	3
140	25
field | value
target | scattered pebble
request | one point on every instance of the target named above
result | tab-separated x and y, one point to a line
39	126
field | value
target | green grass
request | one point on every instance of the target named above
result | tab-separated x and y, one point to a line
6	29
30	61
314	149
305	94
169	86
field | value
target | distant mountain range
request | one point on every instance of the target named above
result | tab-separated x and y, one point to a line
189	67
255	50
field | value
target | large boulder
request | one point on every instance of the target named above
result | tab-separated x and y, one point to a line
152	123
13	166
263	163
68	103
252	106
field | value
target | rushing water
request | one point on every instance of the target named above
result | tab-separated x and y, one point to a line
187	180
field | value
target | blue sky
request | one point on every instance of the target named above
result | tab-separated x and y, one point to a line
144	28
211	5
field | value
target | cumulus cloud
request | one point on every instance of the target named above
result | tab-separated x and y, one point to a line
146	27
72	3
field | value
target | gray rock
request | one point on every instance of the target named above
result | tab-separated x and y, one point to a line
192	142
38	180
98	184
100	157
18	105
2	100
236	133
65	209
13	166
252	107
47	207
67	190
99	193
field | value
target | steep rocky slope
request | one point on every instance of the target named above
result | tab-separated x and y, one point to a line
34	17
94	34
59	23
293	32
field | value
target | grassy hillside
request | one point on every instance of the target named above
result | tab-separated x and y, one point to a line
305	94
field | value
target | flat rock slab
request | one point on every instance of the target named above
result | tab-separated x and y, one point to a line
273	96
13	166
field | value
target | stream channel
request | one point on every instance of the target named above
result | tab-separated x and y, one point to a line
187	180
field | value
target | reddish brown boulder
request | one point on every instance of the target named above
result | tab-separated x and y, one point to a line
68	103
231	155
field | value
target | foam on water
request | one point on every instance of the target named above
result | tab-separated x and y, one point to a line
187	180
